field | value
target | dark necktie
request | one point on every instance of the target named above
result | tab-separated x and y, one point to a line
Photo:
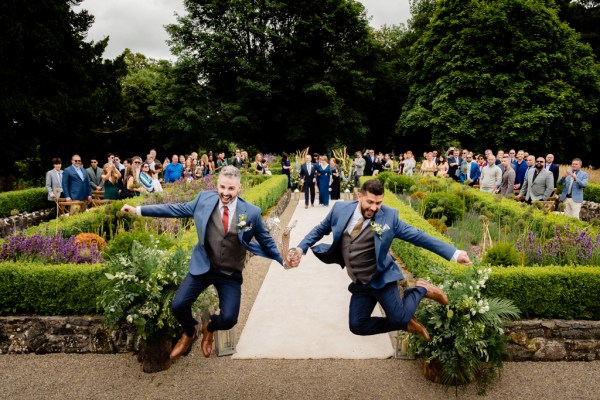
225	218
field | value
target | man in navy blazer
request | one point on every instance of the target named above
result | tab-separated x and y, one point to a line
550	166
75	183
363	231
308	179
226	226
574	180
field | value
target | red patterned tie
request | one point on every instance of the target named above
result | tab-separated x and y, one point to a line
225	219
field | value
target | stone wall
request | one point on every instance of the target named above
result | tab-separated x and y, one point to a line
530	340
43	335
554	340
24	220
589	210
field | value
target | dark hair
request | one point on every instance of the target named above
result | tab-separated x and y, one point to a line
56	161
372	186
284	157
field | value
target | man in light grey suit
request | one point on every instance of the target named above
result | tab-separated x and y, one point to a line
227	226
538	183
95	176
54	180
363	231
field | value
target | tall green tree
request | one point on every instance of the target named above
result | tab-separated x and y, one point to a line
502	73
56	91
279	73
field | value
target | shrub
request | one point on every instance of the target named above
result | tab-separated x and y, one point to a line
400	183
34	288
501	254
91	239
438	224
27	200
442	204
591	192
123	242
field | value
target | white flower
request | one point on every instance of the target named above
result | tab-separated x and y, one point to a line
241	221
130	318
277	220
378	229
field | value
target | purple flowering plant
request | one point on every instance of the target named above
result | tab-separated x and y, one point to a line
566	247
48	248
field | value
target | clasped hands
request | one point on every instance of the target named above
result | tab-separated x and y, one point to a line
293	257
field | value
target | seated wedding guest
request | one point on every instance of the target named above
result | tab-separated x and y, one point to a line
189	170
155	177
442	168
110	179
146	178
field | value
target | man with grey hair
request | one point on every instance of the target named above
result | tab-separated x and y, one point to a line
226	226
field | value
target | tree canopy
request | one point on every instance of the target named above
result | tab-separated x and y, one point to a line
502	73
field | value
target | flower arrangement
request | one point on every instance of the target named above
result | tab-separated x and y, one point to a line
140	290
467	339
49	249
241	220
91	239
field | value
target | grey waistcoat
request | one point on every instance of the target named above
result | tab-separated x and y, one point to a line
359	255
224	250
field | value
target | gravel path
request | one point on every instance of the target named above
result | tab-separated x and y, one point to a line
118	376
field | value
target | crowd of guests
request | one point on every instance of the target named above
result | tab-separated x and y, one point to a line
517	173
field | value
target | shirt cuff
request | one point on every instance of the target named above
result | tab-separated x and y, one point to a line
138	211
454	256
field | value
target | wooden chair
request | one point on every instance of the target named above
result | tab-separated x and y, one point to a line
98	194
100	202
71	207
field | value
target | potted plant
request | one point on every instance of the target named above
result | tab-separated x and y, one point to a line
141	287
467	339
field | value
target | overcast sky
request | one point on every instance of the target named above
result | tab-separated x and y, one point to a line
139	24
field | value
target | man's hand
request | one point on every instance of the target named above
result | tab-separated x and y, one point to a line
294	256
129	209
463	258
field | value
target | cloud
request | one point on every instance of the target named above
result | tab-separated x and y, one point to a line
139	24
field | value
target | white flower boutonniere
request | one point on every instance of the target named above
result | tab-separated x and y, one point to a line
378	229
242	223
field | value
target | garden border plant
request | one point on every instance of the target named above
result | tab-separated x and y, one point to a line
44	289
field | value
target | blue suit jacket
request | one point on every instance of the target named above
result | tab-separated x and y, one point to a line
578	185
387	269
73	186
201	209
309	179
474	174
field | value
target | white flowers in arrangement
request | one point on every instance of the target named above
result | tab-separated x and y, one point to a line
378	229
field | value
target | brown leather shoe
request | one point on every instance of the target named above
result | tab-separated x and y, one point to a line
433	292
184	345
207	340
417	328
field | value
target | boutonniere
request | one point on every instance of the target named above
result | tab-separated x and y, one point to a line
378	229
242	223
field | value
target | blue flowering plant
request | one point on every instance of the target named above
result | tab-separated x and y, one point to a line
467	338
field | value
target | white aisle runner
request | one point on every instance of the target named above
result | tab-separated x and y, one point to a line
302	313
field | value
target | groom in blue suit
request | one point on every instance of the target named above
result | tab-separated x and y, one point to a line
226	226
363	231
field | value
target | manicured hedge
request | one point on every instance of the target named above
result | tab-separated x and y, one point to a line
267	193
539	292
72	289
592	192
29	287
27	200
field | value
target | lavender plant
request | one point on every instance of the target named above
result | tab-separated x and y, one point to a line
48	248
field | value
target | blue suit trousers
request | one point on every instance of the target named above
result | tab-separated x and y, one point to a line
229	292
398	312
